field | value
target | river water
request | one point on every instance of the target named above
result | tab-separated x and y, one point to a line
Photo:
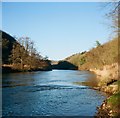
49	93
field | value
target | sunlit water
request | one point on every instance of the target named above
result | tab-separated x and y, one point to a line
51	93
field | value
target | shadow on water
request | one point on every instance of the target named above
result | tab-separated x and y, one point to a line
91	81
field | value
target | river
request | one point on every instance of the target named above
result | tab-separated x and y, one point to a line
49	93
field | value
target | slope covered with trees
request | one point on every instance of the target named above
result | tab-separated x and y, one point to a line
20	54
7	45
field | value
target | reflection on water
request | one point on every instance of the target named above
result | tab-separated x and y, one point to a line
52	93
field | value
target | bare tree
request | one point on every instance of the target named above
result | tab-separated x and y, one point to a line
25	54
114	14
18	55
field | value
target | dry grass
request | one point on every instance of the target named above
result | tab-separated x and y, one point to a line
107	77
97	57
103	60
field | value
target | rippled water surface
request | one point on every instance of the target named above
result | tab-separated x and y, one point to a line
50	93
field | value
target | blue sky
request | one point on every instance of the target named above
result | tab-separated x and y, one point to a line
58	29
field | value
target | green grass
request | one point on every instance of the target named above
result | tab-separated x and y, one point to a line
118	82
113	101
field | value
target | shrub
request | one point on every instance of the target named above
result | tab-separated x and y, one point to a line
98	43
82	60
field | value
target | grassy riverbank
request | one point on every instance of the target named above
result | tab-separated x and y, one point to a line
108	81
103	61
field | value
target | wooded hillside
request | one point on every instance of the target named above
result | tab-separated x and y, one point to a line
21	54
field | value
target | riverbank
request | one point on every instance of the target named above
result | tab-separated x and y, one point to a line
107	78
110	107
108	81
103	61
9	69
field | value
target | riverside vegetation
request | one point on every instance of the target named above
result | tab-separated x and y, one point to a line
103	61
20	54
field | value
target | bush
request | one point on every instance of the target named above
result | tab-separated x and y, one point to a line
98	43
82	61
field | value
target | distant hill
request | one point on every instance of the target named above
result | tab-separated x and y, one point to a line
64	65
7	45
97	57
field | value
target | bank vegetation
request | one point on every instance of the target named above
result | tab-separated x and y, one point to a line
20	54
